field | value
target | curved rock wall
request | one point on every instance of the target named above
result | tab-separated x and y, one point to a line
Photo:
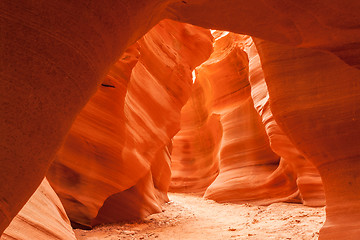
248	167
52	61
326	88
108	155
307	177
54	55
330	26
317	107
249	170
194	158
87	169
43	217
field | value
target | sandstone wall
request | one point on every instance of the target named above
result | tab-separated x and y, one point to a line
126	128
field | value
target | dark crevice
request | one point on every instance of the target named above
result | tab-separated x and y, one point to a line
107	85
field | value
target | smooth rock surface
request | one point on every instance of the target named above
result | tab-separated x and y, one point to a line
43	217
248	169
108	155
195	158
53	61
314	97
307	177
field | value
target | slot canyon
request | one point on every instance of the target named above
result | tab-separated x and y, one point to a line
168	119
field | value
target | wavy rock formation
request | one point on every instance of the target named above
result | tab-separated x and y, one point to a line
53	60
220	94
249	170
43	217
247	164
314	97
194	158
88	167
108	155
307	177
53	57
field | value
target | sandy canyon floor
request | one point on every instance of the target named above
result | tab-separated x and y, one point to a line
189	217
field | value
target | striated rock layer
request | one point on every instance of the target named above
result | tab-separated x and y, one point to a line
115	159
194	158
317	107
307	177
88	167
314	95
43	217
327	25
249	170
52	62
53	57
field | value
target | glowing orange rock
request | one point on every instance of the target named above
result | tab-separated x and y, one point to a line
88	168
308	179
51	62
108	156
306	24
314	98
249	170
43	217
53	57
195	161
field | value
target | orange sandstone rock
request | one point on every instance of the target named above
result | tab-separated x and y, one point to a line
195	160
52	61
314	97
326	25
249	170
108	156
53	57
134	203
89	166
43	217
308	179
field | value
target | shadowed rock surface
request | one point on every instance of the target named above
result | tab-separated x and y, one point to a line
56	54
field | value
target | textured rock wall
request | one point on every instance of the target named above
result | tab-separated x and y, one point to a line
43	217
248	170
313	94
195	158
89	167
330	26
314	97
54	55
52	61
307	177
115	159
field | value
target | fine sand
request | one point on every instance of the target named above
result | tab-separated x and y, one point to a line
192	218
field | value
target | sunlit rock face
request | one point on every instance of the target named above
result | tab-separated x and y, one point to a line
194	158
315	97
43	217
52	61
231	84
54	54
117	152
248	167
249	171
307	177
88	168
